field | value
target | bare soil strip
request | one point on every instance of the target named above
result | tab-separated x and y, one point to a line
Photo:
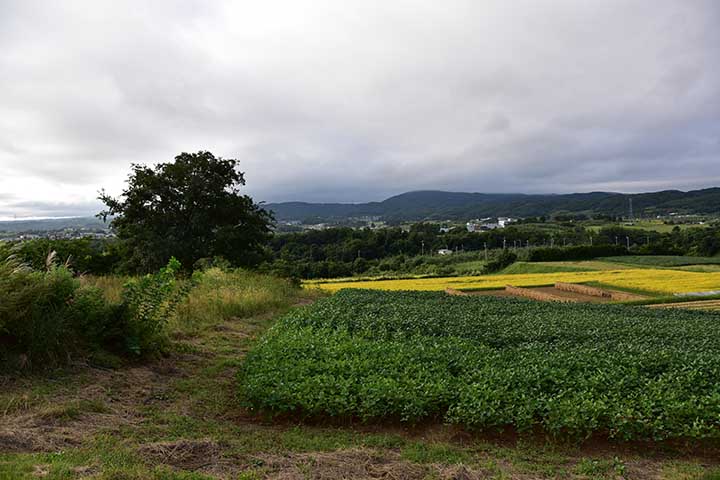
536	294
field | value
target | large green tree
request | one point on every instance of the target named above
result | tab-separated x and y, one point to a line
190	209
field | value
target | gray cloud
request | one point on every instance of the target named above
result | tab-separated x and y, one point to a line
354	101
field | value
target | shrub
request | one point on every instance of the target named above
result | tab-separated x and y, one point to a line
147	303
48	316
45	315
580	252
505	259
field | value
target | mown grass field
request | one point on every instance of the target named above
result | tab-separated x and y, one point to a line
649	280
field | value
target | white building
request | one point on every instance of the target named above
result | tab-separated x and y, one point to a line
505	221
445	251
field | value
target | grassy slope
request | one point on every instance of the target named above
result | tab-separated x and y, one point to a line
663	260
647	225
178	418
553	267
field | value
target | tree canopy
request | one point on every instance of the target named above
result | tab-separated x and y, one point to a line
190	209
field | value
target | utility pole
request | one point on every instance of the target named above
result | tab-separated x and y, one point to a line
616	242
591	240
628	242
486	251
422	246
504	243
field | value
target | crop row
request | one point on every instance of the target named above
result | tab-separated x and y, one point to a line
648	280
484	362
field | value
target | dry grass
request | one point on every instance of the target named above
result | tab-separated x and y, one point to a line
111	285
221	295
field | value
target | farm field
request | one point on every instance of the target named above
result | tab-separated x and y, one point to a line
571	370
709	305
178	418
653	281
663	260
564	266
656	226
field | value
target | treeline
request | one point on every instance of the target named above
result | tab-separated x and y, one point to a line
341	252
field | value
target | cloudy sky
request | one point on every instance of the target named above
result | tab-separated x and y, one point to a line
358	100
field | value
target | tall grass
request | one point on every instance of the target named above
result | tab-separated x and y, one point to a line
46	315
221	295
111	286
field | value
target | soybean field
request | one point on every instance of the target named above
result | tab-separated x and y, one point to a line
486	363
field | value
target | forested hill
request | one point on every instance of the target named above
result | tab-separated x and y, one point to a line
436	205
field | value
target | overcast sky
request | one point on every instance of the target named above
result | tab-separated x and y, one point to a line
358	100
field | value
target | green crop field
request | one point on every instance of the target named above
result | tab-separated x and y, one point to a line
569	369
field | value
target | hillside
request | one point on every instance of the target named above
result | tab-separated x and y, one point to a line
437	205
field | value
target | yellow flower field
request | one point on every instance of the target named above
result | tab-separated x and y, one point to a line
649	280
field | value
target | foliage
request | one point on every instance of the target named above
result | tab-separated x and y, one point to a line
505	259
191	209
579	252
342	252
484	362
148	303
47	316
83	254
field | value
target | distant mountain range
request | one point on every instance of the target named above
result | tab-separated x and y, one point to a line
51	224
437	205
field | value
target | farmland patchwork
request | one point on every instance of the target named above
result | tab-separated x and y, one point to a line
647	280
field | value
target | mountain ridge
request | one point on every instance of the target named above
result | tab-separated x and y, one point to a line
441	205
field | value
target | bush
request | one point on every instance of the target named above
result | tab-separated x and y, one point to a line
148	303
505	259
46	317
